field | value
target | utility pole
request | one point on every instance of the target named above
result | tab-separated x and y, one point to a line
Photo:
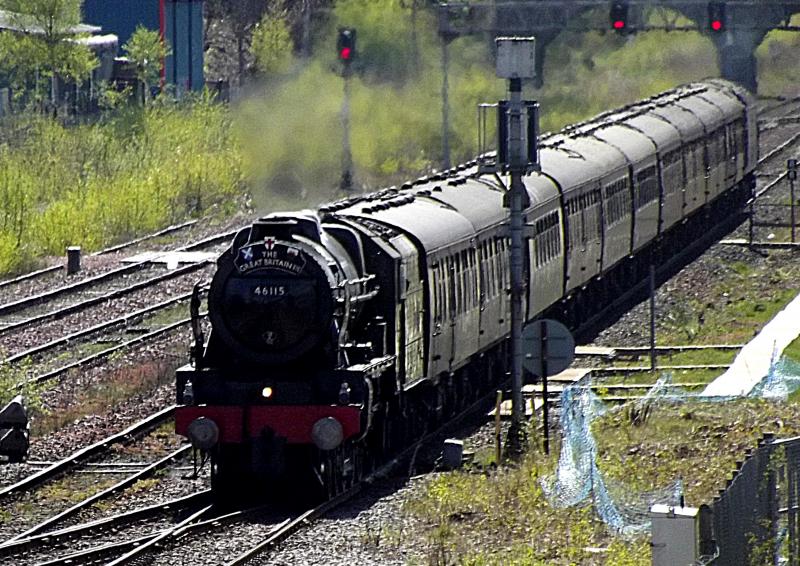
515	62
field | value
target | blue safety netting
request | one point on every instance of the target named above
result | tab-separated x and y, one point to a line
577	477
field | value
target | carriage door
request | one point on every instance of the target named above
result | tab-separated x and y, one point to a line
411	300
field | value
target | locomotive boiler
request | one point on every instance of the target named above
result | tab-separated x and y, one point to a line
340	335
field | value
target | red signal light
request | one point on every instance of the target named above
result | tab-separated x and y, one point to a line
346	45
716	16
618	16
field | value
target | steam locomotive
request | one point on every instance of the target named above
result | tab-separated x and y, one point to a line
339	335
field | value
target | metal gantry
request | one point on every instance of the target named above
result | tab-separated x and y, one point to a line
736	27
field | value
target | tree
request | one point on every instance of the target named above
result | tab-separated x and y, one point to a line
272	41
49	42
244	14
146	50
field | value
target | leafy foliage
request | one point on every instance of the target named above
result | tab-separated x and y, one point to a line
99	183
146	50
272	41
503	518
46	43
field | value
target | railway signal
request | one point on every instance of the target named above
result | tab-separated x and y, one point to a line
716	16
516	61
619	16
346	51
346	45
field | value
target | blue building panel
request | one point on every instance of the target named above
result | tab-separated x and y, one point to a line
179	21
183	28
121	17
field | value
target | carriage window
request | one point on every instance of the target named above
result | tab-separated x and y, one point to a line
648	186
546	239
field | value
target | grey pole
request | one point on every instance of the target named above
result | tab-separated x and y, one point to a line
791	174
545	404
305	48
652	317
445	102
517	163
516	61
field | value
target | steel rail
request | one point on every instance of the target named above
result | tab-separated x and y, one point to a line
188	524
31	275
91	500
780	148
685	348
125	319
15	306
99	525
291	526
146	543
211	240
166	231
79	285
70	309
640	369
93	555
611	386
41	378
112	249
762	244
772	183
76	458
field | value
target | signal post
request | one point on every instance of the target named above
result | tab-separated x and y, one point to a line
516	61
346	52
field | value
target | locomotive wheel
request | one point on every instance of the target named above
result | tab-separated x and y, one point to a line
340	469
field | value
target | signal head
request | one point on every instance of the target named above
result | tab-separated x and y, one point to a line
716	16
619	16
346	45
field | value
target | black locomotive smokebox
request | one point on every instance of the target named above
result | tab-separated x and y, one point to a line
271	301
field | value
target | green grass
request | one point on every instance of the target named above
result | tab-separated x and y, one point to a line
59	494
504	518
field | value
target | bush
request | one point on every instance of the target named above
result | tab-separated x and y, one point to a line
93	185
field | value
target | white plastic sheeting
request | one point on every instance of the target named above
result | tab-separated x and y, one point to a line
754	361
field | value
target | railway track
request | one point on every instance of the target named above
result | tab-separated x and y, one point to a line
54	275
102	538
74	482
67	335
96	290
